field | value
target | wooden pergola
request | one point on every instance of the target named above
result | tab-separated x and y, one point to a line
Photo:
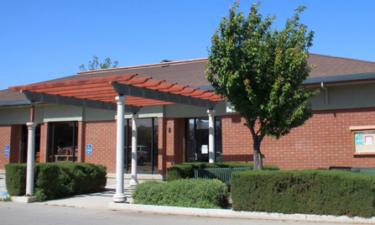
121	93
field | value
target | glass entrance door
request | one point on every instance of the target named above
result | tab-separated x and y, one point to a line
197	141
147	145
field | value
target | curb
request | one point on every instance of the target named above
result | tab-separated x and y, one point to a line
23	199
226	213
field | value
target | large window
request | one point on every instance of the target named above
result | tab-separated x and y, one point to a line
147	146
197	140
62	141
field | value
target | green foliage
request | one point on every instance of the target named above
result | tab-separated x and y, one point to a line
15	179
308	192
184	193
95	65
56	180
260	70
6	199
186	170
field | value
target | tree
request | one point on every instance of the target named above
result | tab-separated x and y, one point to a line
260	70
95	65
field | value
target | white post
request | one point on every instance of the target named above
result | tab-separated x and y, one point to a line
120	196
134	181
30	159
211	138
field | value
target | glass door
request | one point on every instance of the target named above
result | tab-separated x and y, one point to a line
197	140
147	154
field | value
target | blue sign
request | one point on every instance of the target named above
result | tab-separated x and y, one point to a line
88	149
6	151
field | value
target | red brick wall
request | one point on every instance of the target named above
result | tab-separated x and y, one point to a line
81	142
102	136
325	140
15	145
175	146
43	142
5	132
162	132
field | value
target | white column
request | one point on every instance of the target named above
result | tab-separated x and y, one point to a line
134	181
211	133
30	158
120	196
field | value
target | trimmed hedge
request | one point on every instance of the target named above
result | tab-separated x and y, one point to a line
306	192
186	170
198	193
56	180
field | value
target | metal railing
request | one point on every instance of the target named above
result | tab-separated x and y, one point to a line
223	174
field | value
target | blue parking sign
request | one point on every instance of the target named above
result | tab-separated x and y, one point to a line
6	151
88	149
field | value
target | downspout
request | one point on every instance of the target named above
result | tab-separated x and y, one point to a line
324	88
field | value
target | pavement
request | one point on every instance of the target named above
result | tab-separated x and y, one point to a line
103	201
3	190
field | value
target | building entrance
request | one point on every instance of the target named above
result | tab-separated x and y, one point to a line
197	144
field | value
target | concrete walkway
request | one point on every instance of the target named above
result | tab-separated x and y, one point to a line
3	190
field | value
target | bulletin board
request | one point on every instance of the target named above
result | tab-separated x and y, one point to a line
364	141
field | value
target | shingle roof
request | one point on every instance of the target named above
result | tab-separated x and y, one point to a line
191	72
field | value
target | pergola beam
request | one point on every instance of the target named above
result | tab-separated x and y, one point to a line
61	100
123	89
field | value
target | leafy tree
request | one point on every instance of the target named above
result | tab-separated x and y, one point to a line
260	70
95	65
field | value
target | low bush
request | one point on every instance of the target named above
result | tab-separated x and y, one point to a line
197	193
15	179
308	192
186	170
56	180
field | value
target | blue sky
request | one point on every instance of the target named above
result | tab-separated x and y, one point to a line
43	40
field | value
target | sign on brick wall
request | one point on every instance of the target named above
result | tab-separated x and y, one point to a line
88	149
6	151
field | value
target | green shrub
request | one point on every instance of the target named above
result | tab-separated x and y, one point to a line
16	181
56	180
308	192
198	193
186	170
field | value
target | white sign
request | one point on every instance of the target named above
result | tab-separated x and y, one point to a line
204	149
368	140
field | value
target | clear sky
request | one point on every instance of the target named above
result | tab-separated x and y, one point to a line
43	40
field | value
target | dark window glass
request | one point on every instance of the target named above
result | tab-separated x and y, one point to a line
197	140
62	141
147	137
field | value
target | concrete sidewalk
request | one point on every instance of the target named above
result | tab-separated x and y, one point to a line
3	190
103	201
88	201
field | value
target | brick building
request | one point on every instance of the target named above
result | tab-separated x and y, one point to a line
340	133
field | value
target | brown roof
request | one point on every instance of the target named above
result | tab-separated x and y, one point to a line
328	66
191	72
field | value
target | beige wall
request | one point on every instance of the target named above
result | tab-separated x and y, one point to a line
345	96
339	97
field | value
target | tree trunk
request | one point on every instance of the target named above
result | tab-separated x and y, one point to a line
258	160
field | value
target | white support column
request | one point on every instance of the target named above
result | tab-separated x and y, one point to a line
134	181
211	138
120	196
30	158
